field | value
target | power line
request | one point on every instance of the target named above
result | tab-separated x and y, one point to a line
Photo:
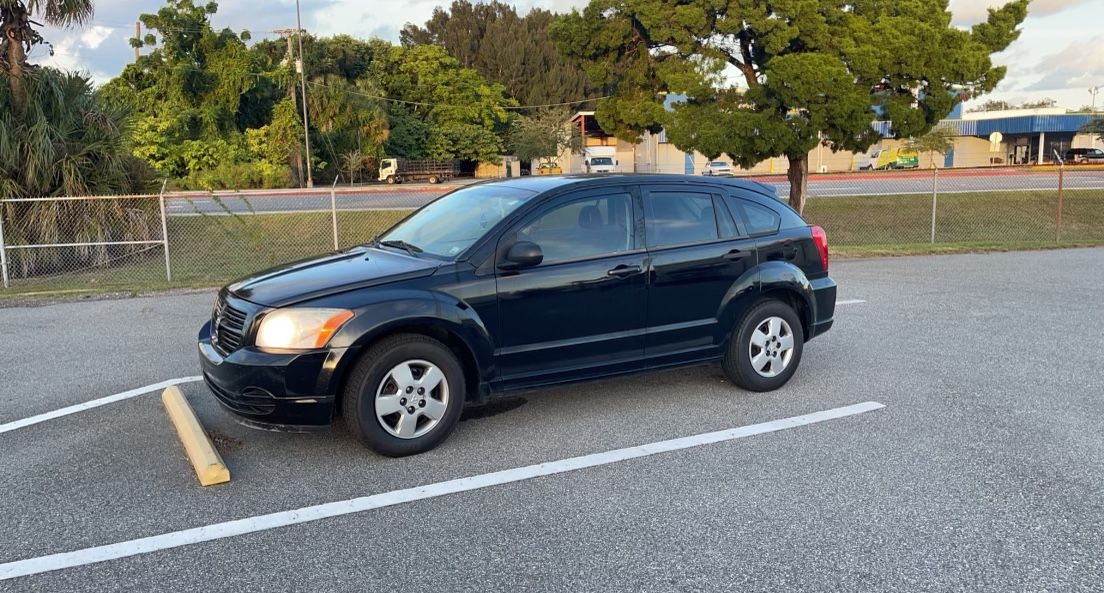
426	104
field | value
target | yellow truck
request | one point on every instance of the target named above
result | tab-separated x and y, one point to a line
890	158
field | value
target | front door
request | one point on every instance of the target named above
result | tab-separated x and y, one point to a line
581	312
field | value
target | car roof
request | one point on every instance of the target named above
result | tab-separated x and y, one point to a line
543	183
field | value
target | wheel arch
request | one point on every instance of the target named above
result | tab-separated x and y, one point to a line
786	282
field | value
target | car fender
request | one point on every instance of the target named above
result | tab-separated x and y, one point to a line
379	312
739	296
781	275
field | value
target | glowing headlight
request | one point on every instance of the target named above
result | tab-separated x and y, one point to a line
300	329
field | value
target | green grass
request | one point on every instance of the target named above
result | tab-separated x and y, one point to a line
211	250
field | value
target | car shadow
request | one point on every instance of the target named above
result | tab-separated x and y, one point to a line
494	408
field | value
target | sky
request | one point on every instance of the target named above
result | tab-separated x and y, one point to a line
1060	53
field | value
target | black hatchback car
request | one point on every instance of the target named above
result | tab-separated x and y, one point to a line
513	285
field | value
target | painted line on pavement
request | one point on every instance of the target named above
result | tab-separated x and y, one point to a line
850	302
237	527
88	405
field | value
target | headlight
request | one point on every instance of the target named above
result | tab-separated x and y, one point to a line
300	329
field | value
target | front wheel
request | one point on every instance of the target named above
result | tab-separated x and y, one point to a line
434	179
765	349
405	395
390	180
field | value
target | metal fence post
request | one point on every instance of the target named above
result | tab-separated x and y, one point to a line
3	249
1058	214
165	231
333	210
935	199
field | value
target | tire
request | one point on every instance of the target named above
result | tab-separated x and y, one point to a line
773	320
390	180
377	377
433	179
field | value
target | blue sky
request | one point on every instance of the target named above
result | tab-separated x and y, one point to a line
1060	53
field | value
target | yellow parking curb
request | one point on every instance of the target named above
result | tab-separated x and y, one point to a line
201	452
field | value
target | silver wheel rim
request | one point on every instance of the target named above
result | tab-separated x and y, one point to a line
771	347
411	399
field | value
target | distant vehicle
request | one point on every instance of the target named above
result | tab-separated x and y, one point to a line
400	170
600	159
508	286
1085	156
549	169
890	158
717	168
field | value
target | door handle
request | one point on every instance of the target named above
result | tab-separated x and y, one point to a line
736	254
623	270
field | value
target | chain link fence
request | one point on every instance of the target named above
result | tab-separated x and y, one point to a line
146	242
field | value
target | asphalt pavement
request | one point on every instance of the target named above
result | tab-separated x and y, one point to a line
407	196
982	473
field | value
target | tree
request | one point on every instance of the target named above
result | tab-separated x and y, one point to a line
810	71
515	51
939	140
18	34
66	142
460	111
1094	126
544	136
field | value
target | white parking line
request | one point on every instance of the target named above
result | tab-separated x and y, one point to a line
850	302
216	531
88	405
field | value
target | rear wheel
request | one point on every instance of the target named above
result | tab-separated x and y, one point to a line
434	179
765	350
405	395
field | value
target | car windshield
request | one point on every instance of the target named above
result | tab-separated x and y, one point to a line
452	223
718	164
602	160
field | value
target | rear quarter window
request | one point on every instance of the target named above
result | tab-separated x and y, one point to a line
763	219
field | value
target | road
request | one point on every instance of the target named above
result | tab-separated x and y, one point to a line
855	184
983	471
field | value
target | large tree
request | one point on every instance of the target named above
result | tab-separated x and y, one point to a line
808	71
506	48
18	34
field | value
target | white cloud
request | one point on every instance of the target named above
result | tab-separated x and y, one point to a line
968	12
95	35
1079	64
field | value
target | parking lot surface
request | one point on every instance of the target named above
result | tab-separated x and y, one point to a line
983	471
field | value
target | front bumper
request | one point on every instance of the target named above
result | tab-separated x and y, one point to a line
275	390
824	302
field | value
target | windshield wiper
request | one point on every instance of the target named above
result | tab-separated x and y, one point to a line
411	249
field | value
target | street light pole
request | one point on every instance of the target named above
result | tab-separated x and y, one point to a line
303	87
1093	91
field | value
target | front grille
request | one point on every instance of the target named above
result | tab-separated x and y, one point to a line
229	327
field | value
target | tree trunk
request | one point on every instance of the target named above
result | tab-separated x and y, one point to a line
12	29
798	175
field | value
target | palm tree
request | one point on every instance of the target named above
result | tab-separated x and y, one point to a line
18	34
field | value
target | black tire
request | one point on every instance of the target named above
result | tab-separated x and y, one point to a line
434	179
364	381
737	363
390	180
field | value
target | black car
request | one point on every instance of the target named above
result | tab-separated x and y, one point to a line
1084	155
518	284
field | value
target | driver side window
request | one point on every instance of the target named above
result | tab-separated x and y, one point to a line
583	228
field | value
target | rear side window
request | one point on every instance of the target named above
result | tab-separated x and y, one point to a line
583	228
759	219
674	218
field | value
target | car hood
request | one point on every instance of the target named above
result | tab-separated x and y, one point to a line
331	274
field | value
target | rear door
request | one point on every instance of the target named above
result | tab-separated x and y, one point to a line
581	312
698	257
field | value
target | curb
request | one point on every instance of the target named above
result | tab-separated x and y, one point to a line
208	464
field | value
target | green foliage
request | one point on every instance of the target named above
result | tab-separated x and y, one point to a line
505	48
544	136
810	71
1094	126
66	142
937	141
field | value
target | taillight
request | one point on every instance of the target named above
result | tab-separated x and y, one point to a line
821	241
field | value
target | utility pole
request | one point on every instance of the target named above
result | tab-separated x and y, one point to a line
1093	91
289	35
299	65
137	35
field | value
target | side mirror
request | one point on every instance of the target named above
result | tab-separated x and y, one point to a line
523	254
